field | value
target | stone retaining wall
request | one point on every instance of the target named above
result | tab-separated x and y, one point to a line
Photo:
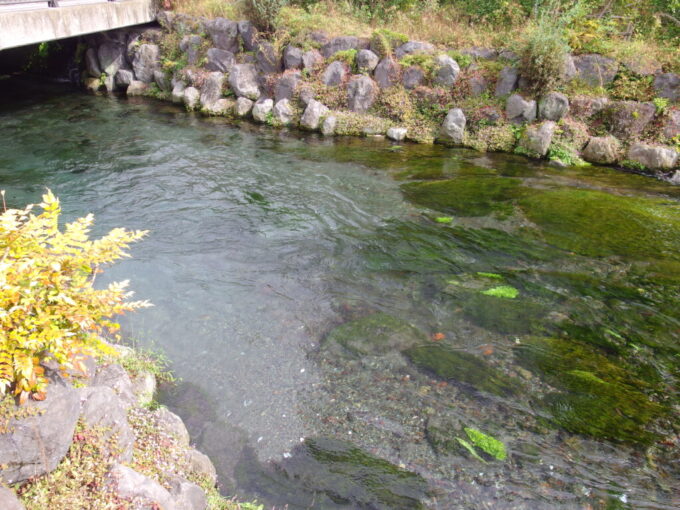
388	86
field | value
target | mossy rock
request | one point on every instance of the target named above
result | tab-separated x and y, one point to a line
378	333
465	196
453	365
505	316
599	397
595	223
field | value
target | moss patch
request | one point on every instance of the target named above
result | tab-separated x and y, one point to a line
462	367
465	196
600	224
378	333
599	398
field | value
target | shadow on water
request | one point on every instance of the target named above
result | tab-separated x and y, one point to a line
344	312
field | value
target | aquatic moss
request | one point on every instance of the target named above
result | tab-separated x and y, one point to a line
378	333
505	316
596	223
599	397
489	445
465	196
454	365
502	291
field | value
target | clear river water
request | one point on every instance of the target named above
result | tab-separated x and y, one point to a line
344	314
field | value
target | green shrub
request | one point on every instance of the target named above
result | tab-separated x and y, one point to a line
381	9
383	41
545	48
264	13
46	282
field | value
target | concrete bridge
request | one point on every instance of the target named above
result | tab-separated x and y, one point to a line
24	22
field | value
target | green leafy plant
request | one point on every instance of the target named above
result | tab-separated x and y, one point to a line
444	219
661	105
49	308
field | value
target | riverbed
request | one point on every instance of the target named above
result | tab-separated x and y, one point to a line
341	312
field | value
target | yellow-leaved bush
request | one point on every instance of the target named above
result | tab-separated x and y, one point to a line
49	308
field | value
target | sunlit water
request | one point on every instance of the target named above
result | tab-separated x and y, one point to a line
261	243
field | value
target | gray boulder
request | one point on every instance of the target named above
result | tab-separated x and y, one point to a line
604	150
536	139
553	106
262	108
178	92
628	119
283	112
361	93
188	496
654	157
518	109
292	57
413	47
341	44
162	80
397	133
306	94
243	81
38	442
111	58
123	78
144	387
115	377
480	53
201	465
101	407
671	127
243	106
595	70
334	74
412	77
311	59
224	34
447	71
220	60
286	85
248	34
311	118
9	500
387	73
220	107
328	126
92	63
508	79
145	492
137	88
212	88
569	68
367	60
172	424
191	45
584	107
146	60
667	85
268	60
478	85
453	127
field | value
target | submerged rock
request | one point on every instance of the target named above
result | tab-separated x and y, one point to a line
462	367
465	196
504	316
379	333
599	398
596	223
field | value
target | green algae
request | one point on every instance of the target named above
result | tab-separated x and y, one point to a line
466	196
378	333
502	291
595	223
488	444
460	366
505	316
599	397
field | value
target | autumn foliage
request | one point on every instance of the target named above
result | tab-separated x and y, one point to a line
49	307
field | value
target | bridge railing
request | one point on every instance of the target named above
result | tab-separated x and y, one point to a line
20	5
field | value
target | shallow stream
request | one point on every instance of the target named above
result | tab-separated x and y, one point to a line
341	311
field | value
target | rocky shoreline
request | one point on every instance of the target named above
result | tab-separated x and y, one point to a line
389	86
140	453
